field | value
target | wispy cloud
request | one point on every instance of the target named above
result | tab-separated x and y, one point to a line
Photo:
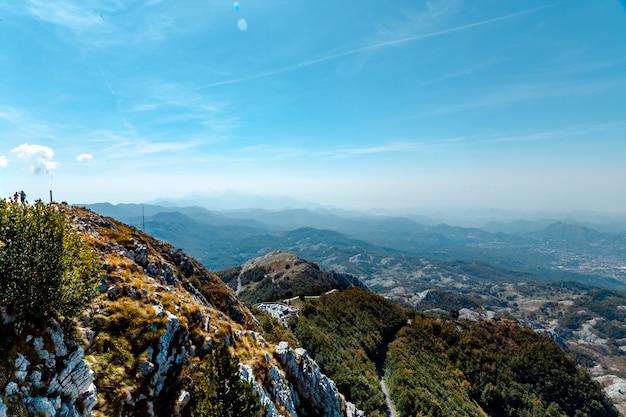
501	96
172	106
9	115
376	46
129	144
157	93
388	148
64	13
160	147
38	157
110	22
4	162
566	132
21	125
271	152
106	81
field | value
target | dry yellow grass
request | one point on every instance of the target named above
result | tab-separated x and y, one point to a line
129	324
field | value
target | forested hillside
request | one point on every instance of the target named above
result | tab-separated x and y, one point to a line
345	332
505	368
440	366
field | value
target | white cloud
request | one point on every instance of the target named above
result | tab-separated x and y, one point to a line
84	157
3	162
26	151
39	158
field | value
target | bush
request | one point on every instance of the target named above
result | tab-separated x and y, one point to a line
45	268
220	391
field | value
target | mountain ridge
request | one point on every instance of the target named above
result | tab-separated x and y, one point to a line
141	347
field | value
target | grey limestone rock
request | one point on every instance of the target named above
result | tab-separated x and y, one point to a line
314	388
69	381
21	367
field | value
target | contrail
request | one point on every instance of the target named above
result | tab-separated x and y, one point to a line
374	47
106	82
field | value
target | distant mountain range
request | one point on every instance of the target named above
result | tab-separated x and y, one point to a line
369	246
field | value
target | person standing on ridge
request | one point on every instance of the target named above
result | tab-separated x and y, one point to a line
22	196
15	196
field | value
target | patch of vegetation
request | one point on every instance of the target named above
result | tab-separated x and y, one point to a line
507	369
273	330
255	274
449	300
229	276
122	333
345	332
422	380
45	269
606	303
220	392
609	307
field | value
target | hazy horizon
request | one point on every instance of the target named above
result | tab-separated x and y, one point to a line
235	204
504	105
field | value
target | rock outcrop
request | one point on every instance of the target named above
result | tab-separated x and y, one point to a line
51	377
316	391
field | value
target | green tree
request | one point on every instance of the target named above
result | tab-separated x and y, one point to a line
45	268
220	391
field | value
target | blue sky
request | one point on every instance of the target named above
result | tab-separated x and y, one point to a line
370	104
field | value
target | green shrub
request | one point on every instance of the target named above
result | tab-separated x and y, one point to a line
45	268
219	390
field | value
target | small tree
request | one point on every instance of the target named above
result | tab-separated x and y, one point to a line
44	266
220	391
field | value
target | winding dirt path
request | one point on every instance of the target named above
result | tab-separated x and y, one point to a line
380	369
391	409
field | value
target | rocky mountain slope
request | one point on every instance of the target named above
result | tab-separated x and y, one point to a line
141	347
160	338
